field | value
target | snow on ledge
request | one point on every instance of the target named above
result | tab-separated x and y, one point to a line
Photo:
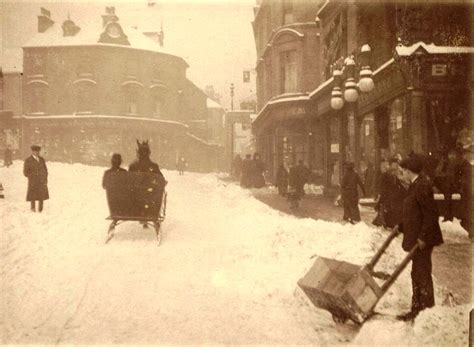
404	51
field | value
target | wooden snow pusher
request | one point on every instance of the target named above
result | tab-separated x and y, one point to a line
350	291
136	196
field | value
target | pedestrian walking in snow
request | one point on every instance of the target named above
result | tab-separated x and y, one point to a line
300	177
35	170
282	180
181	166
419	226
237	167
8	157
258	170
350	195
247	170
392	194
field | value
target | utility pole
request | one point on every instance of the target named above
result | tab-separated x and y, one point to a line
232	96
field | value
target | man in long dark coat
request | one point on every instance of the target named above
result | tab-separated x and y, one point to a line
350	194
36	171
247	170
420	227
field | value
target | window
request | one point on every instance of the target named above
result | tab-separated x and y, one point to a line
38	98
288	72
288	12
84	97
132	105
158	107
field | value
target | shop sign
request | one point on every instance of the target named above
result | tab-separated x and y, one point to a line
295	111
334	148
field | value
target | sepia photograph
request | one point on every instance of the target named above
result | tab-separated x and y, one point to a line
236	172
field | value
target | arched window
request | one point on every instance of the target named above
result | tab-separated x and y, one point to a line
84	97
38	94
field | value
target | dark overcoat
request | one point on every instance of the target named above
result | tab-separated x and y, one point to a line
247	170
258	178
37	174
420	215
350	181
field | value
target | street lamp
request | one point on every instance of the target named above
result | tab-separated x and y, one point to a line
351	87
350	94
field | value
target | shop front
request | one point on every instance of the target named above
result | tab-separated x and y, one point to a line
93	139
288	132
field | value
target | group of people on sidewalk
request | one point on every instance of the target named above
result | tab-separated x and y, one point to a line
250	171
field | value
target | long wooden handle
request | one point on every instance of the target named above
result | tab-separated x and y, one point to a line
399	269
383	248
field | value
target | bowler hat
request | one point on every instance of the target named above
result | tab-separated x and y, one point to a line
35	148
413	163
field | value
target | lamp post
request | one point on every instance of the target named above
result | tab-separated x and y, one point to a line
232	96
348	98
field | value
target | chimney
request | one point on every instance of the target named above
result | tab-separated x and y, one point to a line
44	20
70	28
109	15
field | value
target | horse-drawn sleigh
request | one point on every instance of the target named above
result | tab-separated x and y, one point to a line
137	195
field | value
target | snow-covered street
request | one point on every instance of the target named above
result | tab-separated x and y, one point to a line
225	272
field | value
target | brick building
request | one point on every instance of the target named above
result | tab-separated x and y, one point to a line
90	91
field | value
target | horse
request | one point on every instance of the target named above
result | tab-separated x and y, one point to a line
143	162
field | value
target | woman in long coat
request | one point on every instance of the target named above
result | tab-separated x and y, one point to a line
350	195
36	171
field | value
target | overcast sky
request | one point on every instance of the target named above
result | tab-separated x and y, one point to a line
214	36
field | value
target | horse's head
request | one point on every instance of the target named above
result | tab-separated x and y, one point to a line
143	150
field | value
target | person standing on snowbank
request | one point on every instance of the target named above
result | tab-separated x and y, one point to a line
36	171
419	226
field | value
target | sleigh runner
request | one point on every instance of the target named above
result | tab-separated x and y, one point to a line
136	196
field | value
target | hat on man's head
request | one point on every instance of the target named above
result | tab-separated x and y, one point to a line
35	148
413	163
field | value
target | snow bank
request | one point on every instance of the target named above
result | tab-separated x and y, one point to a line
226	271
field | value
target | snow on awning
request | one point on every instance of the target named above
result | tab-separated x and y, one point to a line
405	51
281	99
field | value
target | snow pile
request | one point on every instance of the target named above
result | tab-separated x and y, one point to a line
226	271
